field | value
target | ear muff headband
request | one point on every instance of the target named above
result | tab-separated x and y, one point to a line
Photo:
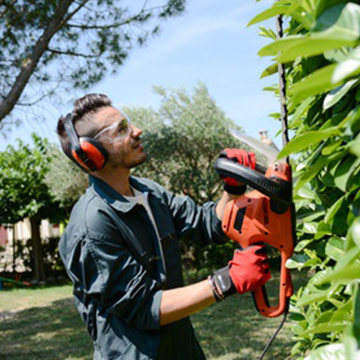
85	152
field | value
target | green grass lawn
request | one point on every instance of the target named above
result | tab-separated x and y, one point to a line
43	323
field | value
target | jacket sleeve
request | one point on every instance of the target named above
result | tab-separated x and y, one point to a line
108	272
200	223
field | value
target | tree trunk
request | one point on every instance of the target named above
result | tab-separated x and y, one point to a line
37	250
29	64
14	248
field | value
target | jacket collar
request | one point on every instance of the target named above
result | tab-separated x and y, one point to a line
112	197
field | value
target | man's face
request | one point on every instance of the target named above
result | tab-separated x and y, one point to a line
120	138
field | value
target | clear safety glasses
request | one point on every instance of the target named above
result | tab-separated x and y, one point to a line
116	131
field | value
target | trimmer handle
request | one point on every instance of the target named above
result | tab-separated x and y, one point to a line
285	292
276	190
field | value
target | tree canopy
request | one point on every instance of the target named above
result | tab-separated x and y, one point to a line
70	44
64	179
23	192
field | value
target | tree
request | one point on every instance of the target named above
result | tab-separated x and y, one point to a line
321	54
66	182
23	192
69	43
183	139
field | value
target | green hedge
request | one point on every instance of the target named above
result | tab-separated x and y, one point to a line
321	53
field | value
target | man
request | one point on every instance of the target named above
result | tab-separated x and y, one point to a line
121	248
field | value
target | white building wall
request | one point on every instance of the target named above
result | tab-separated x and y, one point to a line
22	232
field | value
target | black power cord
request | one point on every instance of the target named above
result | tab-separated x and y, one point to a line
277	331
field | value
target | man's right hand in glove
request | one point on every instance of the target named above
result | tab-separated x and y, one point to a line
247	271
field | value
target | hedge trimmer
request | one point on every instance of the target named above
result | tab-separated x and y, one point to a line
265	214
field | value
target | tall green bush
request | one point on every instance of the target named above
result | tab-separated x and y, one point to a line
321	53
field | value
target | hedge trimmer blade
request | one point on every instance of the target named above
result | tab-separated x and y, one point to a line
271	152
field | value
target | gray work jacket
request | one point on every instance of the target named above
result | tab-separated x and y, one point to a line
113	256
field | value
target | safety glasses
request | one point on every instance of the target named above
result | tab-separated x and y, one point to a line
116	131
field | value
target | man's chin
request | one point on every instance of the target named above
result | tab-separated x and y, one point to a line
128	163
141	159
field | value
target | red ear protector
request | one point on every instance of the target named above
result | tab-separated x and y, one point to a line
85	152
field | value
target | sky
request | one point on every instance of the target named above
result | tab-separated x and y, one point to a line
210	43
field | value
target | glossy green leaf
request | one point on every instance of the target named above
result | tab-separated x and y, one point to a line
354	146
343	313
344	171
305	193
269	33
300	111
337	94
349	67
316	83
355	232
351	343
334	249
337	55
343	30
291	47
296	316
352	117
270	70
357	306
312	262
334	209
302	244
351	255
317	278
322	230
276	9
304	140
352	332
309	227
331	147
310	172
355	119
349	241
328	352
325	317
357	312
326	328
297	261
313	298
298	330
351	272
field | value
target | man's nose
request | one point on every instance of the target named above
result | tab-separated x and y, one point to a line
135	131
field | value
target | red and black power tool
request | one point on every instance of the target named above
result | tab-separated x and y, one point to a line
266	215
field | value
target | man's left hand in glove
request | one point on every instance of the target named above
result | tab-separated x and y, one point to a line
241	157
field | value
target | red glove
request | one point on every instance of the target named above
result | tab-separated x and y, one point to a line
242	157
247	271
249	268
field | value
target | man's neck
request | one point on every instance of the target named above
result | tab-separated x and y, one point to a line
118	179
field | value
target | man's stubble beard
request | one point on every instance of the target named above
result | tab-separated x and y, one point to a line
117	160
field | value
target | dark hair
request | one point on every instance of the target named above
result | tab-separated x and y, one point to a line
82	117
